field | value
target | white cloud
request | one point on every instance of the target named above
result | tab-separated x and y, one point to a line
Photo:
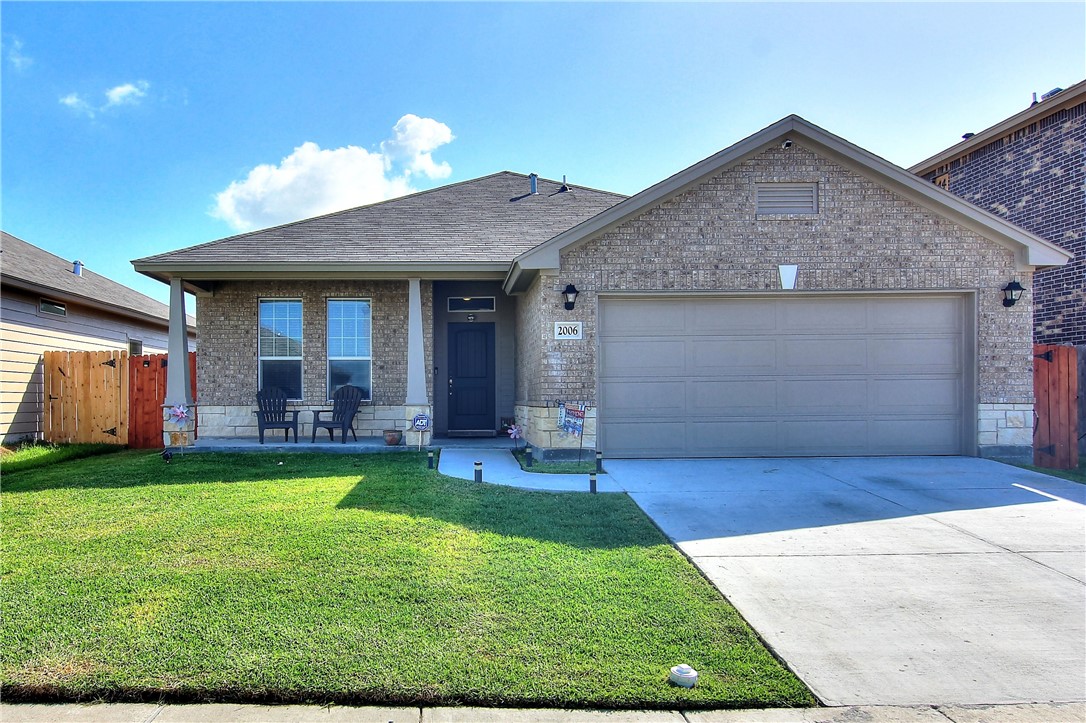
78	104
120	95
127	94
15	55
416	138
312	181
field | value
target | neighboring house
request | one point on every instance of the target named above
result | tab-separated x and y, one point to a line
792	294
1031	170
48	303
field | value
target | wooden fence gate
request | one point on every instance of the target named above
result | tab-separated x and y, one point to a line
146	392
106	396
86	396
1055	389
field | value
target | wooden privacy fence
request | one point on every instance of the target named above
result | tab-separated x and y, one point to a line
86	396
146	392
106	396
1055	389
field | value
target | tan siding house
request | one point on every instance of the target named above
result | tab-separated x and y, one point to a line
45	306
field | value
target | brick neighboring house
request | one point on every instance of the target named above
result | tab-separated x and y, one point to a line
48	303
1031	170
792	294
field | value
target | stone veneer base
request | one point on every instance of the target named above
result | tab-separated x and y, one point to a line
539	427
239	421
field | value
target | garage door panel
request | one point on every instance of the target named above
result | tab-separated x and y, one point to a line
643	357
823	356
916	314
644	397
801	375
732	438
709	316
827	396
736	356
919	354
804	437
901	435
931	396
643	320
738	397
835	316
648	438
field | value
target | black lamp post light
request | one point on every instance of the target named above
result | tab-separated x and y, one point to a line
1012	292
570	295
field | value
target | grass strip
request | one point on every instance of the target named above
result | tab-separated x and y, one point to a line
585	466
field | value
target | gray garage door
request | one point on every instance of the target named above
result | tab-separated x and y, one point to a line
796	376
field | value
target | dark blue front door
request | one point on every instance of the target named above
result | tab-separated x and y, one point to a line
471	377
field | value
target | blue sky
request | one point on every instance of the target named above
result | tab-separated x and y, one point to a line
129	129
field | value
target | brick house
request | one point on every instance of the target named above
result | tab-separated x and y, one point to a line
792	294
1031	170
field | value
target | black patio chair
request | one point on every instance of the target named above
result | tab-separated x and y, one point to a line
272	413
345	403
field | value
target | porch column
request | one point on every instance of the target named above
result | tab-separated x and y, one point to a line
177	429
418	401
178	381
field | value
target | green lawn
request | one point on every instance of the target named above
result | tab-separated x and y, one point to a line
29	456
572	466
352	579
1075	475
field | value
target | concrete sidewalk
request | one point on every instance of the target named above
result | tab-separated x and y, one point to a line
501	467
228	713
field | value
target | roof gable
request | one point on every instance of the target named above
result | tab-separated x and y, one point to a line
1030	250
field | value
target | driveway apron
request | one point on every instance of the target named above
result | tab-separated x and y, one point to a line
890	581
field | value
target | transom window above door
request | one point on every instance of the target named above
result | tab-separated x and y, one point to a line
471	303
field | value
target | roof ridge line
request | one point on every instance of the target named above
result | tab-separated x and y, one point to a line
330	214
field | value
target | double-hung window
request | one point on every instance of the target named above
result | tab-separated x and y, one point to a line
349	348
281	346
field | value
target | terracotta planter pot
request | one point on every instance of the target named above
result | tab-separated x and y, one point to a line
393	437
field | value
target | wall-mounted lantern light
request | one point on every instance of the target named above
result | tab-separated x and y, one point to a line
1012	292
570	295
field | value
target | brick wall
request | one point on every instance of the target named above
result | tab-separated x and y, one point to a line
709	238
1036	178
530	335
227	321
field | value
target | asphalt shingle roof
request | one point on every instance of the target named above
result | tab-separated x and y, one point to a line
25	262
488	219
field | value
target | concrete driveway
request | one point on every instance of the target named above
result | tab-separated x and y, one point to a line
890	581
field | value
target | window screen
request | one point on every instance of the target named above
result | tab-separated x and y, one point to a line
349	345
280	345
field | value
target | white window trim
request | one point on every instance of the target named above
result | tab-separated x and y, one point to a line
328	358
260	358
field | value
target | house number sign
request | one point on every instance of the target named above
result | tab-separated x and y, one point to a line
568	330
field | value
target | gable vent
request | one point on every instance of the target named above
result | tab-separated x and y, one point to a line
787	198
